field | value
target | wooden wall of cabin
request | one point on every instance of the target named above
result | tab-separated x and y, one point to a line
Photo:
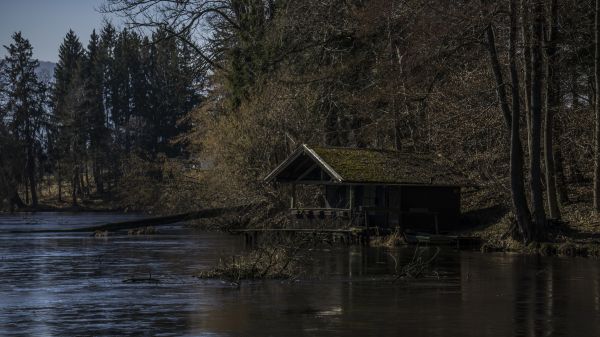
415	203
372	196
419	202
410	207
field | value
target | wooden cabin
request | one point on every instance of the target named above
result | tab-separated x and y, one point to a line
372	188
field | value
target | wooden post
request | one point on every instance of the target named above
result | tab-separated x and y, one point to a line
351	204
386	204
293	197
401	209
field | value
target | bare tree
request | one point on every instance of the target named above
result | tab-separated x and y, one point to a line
497	70
597	109
537	80
524	225
517	184
551	109
526	36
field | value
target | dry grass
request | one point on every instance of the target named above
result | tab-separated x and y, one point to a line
577	234
266	262
392	240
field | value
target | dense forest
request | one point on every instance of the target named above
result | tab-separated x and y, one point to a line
195	101
115	103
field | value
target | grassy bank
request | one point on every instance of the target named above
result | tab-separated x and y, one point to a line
576	234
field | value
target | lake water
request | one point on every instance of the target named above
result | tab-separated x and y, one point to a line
63	284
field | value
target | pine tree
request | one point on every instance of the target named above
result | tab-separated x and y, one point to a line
172	82
107	44
67	115
120	87
70	54
24	104
93	83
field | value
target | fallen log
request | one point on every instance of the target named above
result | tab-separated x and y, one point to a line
145	222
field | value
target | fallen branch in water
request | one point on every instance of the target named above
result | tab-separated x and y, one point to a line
417	266
276	260
147	222
148	279
150	230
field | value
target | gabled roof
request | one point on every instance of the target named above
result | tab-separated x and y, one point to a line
367	166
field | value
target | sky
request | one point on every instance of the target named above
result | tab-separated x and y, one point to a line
45	22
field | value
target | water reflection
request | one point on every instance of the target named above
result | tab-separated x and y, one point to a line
59	285
475	295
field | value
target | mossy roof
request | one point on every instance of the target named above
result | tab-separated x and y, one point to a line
361	165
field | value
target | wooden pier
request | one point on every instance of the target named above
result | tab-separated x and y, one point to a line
360	236
344	236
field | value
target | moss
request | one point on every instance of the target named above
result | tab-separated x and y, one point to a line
385	166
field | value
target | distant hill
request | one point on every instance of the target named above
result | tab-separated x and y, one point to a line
45	71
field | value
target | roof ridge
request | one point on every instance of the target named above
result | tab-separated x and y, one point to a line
367	149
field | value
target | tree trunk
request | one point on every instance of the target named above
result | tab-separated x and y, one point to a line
573	168
517	184
27	190
537	197
75	185
526	36
397	134
97	175
31	175
85	179
497	70
59	180
552	107
81	183
559	159
331	127
15	200
597	110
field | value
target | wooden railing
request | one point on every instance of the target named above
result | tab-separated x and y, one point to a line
363	211
340	212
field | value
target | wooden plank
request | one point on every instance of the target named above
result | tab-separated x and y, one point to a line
301	230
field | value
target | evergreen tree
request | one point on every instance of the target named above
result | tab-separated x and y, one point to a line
24	104
107	43
172	77
67	114
93	106
120	86
70	54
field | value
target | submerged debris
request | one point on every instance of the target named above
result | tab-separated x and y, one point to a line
277	258
417	267
392	240
263	263
148	279
149	230
100	234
